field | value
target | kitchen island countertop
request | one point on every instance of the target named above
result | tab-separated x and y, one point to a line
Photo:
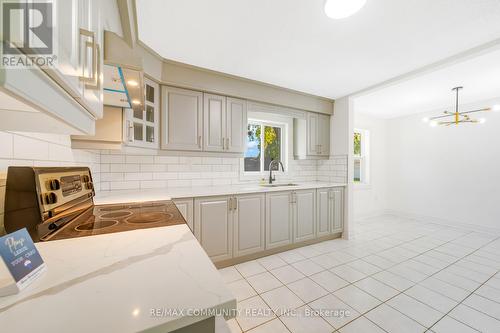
140	280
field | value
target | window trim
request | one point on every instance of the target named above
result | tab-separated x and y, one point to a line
363	157
283	149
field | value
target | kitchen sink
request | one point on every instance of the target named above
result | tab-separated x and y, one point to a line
278	185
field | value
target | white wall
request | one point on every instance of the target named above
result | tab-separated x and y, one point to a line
341	146
450	173
371	199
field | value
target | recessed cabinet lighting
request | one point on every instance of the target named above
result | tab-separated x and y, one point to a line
132	83
339	9
136	102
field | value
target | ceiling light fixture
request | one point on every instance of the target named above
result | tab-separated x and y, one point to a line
339	9
457	117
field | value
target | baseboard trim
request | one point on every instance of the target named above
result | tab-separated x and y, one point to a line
442	221
371	214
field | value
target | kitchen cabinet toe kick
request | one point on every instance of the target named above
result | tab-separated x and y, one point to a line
268	252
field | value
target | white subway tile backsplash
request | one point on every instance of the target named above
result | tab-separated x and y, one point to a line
6	145
201	168
139	159
233	160
153	184
177	167
30	149
153	167
166	159
125	168
138	168
179	183
189	175
138	176
165	175
125	185
212	160
201	182
222	167
112	159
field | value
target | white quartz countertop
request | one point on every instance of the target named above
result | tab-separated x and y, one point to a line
113	282
124	196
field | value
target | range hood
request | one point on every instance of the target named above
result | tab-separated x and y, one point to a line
123	74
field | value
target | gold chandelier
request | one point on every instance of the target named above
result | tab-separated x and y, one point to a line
456	118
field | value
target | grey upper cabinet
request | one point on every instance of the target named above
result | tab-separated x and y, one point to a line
141	126
225	122
182	119
214	113
80	57
312	136
324	135
236	125
65	98
198	121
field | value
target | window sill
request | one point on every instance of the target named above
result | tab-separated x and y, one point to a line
362	186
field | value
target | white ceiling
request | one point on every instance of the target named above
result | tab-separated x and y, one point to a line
480	77
291	43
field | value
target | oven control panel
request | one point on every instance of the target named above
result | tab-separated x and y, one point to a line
57	189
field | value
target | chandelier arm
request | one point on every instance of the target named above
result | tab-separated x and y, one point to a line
444	116
478	110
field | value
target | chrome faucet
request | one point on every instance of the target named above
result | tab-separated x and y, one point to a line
271	178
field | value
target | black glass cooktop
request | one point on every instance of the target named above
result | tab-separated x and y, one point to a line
104	219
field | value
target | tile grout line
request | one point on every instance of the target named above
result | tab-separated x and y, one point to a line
355	258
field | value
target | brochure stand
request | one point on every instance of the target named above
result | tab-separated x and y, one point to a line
22	260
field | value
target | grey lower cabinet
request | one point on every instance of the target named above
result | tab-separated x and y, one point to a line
238	225
323	203
290	217
213	226
279	216
230	226
185	207
249	224
304	215
330	211
337	203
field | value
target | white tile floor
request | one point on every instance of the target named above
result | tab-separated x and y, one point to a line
393	275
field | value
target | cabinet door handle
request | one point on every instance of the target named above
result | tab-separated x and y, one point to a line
91	82
130	131
235	207
223	143
199	141
227	143
230	204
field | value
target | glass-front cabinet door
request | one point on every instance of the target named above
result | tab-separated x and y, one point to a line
141	126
